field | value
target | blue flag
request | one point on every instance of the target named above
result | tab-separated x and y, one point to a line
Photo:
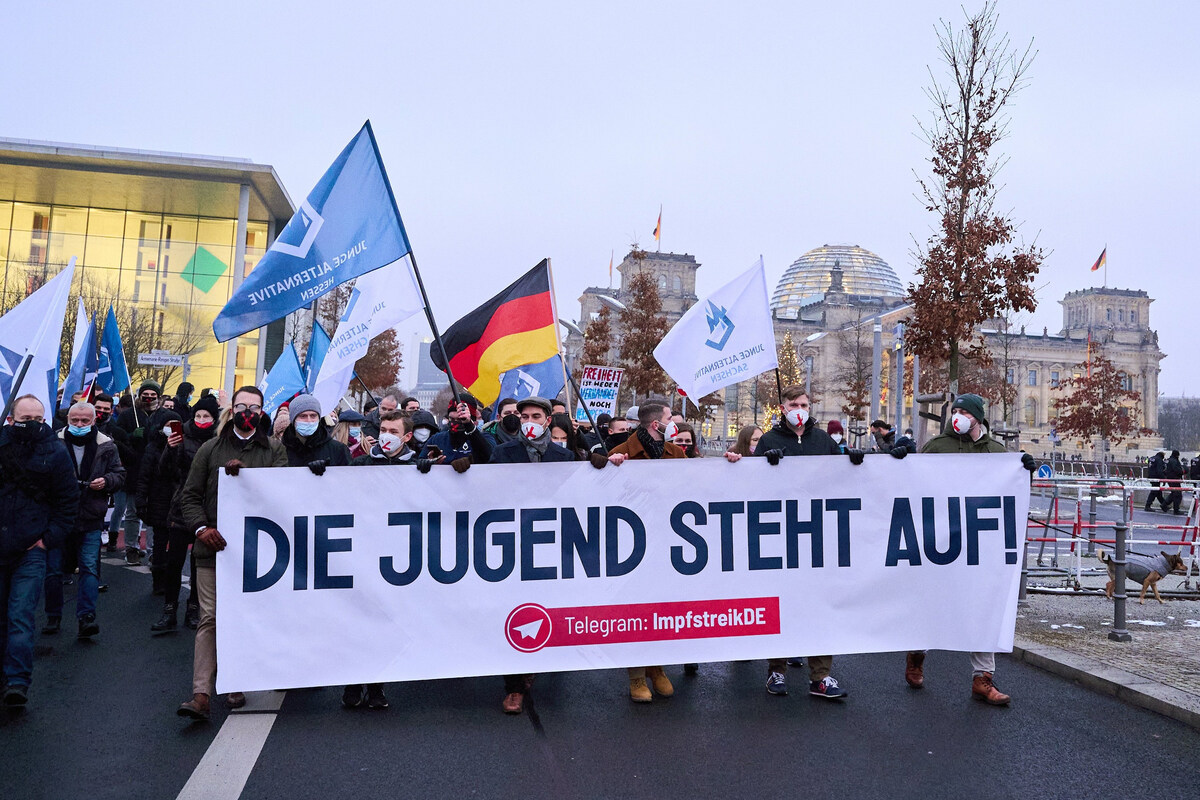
283	382
84	365
113	375
318	346
533	380
348	226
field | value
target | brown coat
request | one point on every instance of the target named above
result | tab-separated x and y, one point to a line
633	448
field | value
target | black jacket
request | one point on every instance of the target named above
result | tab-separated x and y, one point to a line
177	461
515	452
405	458
1173	470
39	495
133	423
100	460
476	446
318	447
1156	468
155	486
813	442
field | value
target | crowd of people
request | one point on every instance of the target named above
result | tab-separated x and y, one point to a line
155	461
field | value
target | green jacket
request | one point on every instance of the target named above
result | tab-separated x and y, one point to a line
953	443
198	498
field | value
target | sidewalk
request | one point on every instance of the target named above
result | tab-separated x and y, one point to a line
1158	670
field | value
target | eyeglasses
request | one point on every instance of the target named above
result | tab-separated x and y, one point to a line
240	407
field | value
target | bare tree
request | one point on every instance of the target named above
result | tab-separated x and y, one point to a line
852	373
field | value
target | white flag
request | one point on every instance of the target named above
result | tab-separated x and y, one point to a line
725	338
43	314
381	299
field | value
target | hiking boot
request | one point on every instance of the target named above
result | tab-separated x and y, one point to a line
191	617
660	681
235	699
828	688
352	695
53	625
513	703
376	699
15	695
983	689
167	621
776	683
133	556
88	626
196	708
639	692
914	670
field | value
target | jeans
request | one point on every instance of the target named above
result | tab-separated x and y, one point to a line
118	513
20	590
132	525
89	575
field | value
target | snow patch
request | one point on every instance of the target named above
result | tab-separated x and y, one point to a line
1191	623
1151	623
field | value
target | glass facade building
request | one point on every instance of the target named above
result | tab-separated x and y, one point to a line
863	273
154	234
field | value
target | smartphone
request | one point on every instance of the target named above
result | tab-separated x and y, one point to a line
176	427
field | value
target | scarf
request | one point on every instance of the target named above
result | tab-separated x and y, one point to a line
653	447
537	447
83	469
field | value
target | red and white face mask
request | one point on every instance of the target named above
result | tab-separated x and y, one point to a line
671	430
961	423
532	430
797	417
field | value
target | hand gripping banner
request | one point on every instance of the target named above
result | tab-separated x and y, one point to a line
374	575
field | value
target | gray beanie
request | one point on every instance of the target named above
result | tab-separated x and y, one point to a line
301	403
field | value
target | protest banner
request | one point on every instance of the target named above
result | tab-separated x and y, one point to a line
598	388
375	575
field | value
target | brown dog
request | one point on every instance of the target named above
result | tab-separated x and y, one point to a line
1146	570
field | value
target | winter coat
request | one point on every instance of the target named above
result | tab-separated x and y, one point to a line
176	462
198	498
633	449
951	442
155	487
318	447
133	423
1139	566
812	442
476	446
100	460
1194	471
515	452
39	495
377	458
370	425
1173	470
1156	469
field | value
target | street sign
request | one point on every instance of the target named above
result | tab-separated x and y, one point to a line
160	359
1044	471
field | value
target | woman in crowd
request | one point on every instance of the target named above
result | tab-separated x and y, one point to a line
349	431
747	440
563	433
155	488
685	437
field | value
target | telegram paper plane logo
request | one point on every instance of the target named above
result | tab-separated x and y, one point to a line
528	628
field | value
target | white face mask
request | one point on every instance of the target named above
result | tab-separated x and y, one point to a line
422	434
672	430
837	438
532	430
797	417
961	423
390	442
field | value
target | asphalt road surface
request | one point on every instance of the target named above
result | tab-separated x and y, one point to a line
101	724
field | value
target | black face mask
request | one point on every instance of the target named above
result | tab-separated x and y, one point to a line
102	417
246	421
24	432
510	423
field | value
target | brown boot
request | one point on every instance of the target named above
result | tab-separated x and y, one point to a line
639	692
196	708
660	681
983	689
513	703
235	699
914	670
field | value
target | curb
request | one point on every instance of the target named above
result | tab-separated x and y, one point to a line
1105	679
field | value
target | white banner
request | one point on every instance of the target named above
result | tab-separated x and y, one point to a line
598	387
385	574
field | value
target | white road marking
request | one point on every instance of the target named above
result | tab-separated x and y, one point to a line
226	766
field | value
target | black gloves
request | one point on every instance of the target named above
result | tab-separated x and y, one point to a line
1028	463
233	466
317	467
424	465
773	457
899	452
461	465
598	460
856	456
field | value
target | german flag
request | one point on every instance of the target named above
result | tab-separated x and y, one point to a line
514	328
1102	260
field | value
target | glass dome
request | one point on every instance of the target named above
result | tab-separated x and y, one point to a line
863	273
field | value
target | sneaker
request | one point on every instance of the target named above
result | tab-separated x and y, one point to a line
376	699
88	626
795	662
133	556
53	625
352	695
15	695
828	688
777	683
513	703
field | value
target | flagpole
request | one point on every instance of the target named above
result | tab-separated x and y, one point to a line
563	362
1106	265
16	387
437	336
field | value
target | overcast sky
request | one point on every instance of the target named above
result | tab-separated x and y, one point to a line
517	131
